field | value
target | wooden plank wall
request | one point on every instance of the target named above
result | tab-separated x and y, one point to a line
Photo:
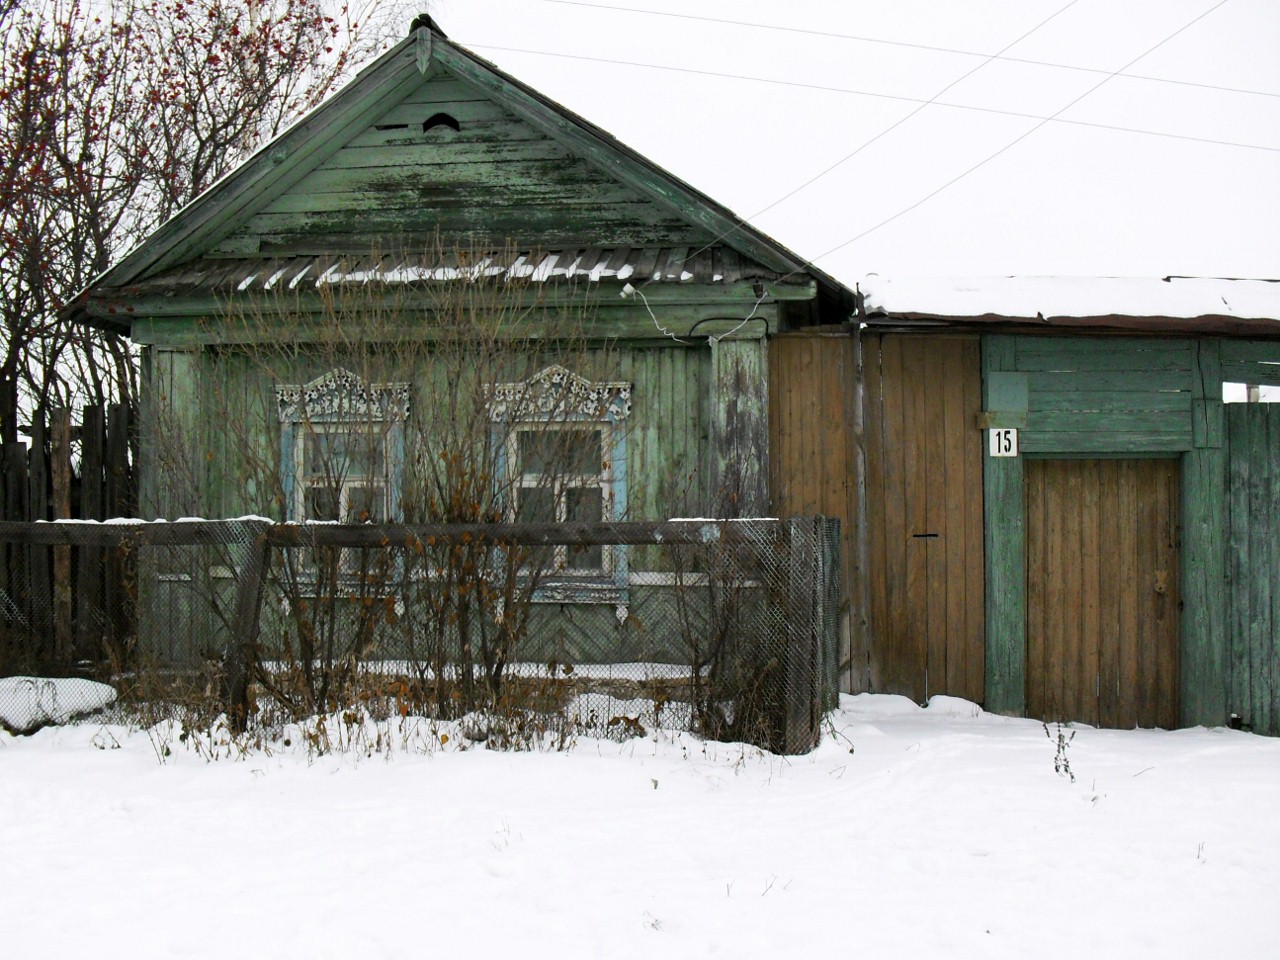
814	462
1106	395
1087	397
1103	591
495	180
899	458
1253	564
61	601
924	515
668	438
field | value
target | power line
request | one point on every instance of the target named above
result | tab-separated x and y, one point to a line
878	95
914	46
889	129
1015	141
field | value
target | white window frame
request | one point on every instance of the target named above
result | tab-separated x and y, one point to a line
305	481
560	485
340	400
555	399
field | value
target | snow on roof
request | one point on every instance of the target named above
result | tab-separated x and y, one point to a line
1032	297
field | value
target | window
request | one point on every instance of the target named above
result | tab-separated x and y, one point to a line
563	475
342	472
563	450
342	445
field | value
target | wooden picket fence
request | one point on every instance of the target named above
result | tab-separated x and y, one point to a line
68	471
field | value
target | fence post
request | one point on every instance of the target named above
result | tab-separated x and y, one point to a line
38	557
92	587
15	508
60	469
799	728
241	651
829	600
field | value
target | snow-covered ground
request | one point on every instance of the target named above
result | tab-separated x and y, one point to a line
939	832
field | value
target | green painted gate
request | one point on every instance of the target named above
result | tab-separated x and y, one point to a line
1253	564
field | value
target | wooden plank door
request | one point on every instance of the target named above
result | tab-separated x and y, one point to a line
1103	591
1253	564
923	518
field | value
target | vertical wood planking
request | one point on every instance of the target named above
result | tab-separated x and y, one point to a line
895	642
974	562
915	508
1239	700
60	469
1110	604
39	557
1127	550
1091	532
812	447
1144	589
1270	653
937	481
954	570
1204	649
1005	588
853	551
1102	645
1262	534
1170	600
923	514
1036	566
876	497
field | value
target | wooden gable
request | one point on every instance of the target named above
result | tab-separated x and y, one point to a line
431	147
450	164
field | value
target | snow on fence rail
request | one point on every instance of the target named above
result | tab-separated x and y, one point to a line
725	628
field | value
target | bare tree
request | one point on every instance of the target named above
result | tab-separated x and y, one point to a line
113	118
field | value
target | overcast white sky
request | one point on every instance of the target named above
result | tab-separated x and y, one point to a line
1068	199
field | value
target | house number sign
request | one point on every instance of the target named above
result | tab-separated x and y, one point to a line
1003	441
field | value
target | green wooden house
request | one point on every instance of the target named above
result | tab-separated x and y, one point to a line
432	152
1051	509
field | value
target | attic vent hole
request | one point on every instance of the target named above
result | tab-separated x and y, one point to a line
391	126
440	120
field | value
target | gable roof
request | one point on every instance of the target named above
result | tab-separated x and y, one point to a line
207	227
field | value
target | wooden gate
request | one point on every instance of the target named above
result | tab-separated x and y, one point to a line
1103	591
924	498
1253	564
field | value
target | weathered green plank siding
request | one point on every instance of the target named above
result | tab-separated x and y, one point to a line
1254	564
1106	395
1004	389
668	438
1251	361
1204	514
740	431
497	179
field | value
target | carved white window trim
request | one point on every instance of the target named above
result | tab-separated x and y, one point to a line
337	398
341	395
557	393
558	398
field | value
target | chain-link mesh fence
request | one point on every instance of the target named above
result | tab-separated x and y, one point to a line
723	628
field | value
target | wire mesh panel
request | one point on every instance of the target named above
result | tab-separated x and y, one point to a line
724	628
